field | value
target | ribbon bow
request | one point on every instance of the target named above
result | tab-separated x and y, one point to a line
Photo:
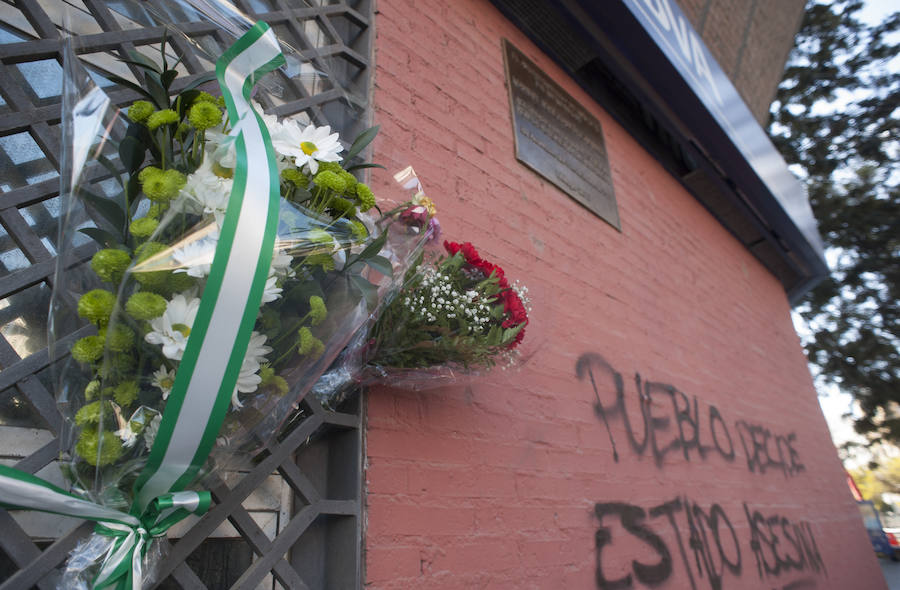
122	564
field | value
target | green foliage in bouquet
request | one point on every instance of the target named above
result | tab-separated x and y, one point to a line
158	236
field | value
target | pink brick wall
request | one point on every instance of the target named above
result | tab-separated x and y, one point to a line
511	481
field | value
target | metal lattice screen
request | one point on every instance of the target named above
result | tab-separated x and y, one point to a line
294	520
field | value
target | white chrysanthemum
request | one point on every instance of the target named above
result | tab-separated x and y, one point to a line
151	430
281	264
196	258
206	192
272	290
127	436
164	380
271	121
248	379
172	328
310	145
220	147
257	349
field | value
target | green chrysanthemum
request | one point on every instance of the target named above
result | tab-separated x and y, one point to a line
309	345
204	115
330	180
204	97
110	264
350	183
119	339
126	392
140	110
143	228
359	230
269	320
319	237
273	381
365	197
163	117
96	306
156	210
161	186
324	260
180	281
115	365
330	167
317	310
145	305
93	413
98	450
295	177
88	349
92	390
155	280
341	207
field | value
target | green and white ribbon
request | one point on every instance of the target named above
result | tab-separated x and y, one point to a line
215	350
231	298
122	563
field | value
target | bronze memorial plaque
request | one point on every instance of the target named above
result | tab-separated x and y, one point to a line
557	137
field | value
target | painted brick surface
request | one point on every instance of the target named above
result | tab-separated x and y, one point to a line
512	481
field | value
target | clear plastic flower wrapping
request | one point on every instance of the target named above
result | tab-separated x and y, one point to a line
146	175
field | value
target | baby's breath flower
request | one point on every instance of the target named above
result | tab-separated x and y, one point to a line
96	305
309	345
140	110
110	264
365	197
145	305
98	450
126	392
163	117
204	115
144	227
317	310
88	349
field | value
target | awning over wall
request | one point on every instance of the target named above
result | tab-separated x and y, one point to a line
643	61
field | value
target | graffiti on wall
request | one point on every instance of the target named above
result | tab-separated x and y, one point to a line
670	421
704	537
706	542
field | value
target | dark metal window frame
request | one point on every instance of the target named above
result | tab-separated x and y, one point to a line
321	458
